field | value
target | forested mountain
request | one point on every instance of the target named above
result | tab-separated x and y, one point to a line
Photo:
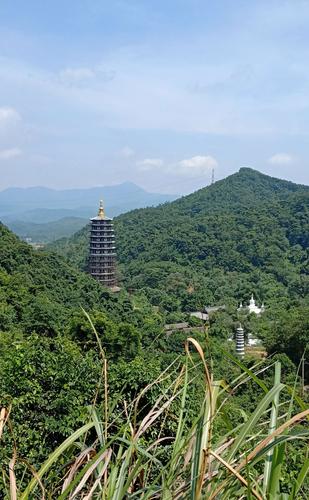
247	233
39	291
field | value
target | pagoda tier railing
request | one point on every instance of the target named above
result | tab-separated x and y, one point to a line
105	244
101	239
102	254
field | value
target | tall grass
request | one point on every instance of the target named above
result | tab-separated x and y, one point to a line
202	459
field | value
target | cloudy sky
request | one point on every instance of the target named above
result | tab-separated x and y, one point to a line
158	92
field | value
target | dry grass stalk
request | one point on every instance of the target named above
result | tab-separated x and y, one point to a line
4	415
236	474
13	486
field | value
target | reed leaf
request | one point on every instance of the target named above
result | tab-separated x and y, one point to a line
273	460
247	371
52	459
254	418
300	479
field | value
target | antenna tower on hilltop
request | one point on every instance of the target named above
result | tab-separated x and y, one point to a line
213	176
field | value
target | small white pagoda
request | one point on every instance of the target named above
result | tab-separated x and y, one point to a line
252	307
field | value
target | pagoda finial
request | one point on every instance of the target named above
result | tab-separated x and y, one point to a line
101	212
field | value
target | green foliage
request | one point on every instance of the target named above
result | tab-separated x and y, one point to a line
285	331
48	231
121	340
48	383
245	233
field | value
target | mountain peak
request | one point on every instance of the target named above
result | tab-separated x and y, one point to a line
248	169
247	188
248	172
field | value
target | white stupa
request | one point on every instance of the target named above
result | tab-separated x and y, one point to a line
252	307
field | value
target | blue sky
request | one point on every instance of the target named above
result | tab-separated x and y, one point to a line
155	92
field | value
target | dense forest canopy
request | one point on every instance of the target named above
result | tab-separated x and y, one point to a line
247	233
39	289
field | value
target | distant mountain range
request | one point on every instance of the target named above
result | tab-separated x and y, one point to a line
45	214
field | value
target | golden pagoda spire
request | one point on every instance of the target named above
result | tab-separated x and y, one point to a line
101	212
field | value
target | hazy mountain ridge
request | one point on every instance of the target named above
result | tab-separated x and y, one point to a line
22	209
20	200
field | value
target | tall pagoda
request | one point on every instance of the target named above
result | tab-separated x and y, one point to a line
102	249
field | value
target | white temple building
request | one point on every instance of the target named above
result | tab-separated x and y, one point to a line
252	307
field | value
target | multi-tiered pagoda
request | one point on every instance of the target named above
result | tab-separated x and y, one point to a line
102	251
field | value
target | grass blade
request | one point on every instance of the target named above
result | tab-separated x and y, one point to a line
247	371
54	457
254	418
300	479
271	461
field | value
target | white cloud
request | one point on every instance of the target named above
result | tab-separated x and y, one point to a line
195	166
190	167
126	152
8	116
281	159
150	164
7	154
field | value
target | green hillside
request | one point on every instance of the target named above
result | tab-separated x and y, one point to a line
39	291
247	233
48	231
41	204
